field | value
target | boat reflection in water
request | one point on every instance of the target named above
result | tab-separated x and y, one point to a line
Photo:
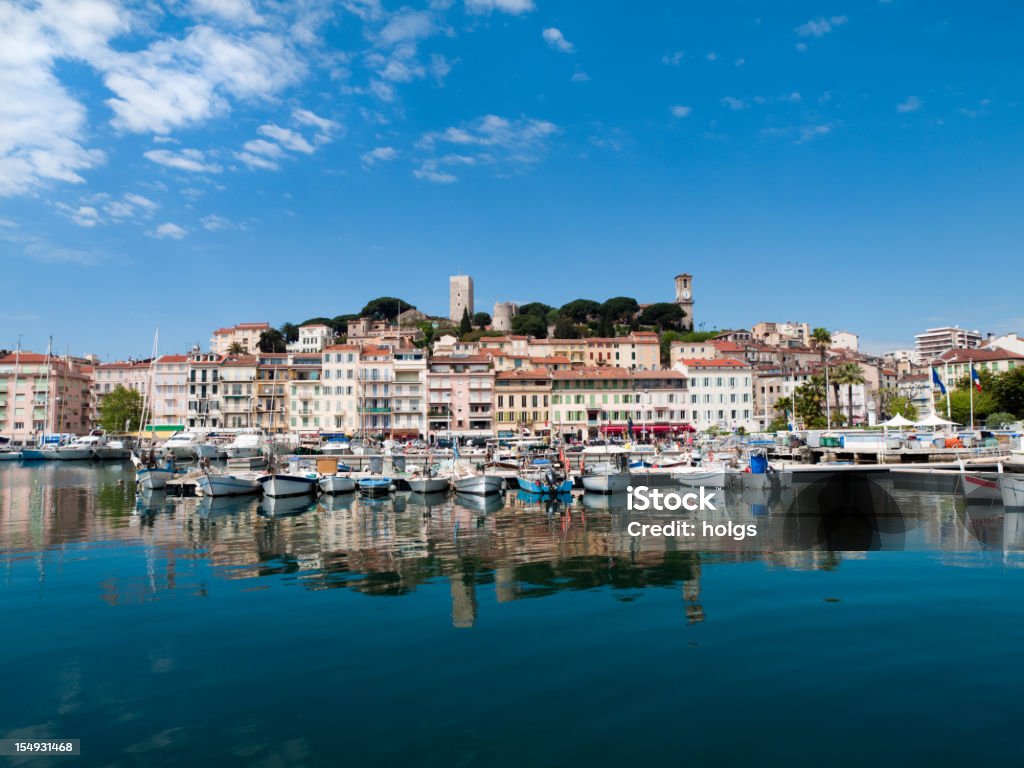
286	505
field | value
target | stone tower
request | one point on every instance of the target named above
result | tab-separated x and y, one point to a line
684	298
460	296
504	311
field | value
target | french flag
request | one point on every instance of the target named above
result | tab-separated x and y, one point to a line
975	378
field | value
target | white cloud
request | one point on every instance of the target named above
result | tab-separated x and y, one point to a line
407	25
379	154
169	229
186	160
820	26
580	77
801	47
140	201
678	110
912	104
286	137
733	103
712	56
673	59
556	40
214	223
231	11
322	124
793	97
429	172
83	216
264	148
382	90
440	66
256	161
515	7
811	132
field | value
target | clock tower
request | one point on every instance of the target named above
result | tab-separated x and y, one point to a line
684	297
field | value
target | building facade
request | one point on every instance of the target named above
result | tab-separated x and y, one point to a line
42	394
312	338
460	398
721	394
460	297
246	335
522	402
935	341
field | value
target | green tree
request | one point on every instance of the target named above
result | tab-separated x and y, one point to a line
810	402
121	407
581	310
960	405
894	403
565	328
848	375
236	348
290	332
385	308
272	341
1000	419
481	320
466	324
663	315
530	325
620	309
319	321
535	308
1008	388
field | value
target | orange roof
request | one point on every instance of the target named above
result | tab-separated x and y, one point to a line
124	364
24	357
523	374
343	348
584	373
172	359
727	346
376	351
658	375
447	360
978	355
725	362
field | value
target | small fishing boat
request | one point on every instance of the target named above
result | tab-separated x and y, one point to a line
376	485
283	485
155	478
228	485
477	483
1011	486
543	478
979	487
112	450
705	475
332	484
606	477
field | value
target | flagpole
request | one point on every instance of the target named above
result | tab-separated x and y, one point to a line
970	386
949	412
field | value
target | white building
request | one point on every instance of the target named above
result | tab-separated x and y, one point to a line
845	340
935	341
170	391
721	393
341	385
312	338
245	335
1011	342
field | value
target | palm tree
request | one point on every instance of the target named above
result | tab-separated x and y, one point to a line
821	339
236	348
849	374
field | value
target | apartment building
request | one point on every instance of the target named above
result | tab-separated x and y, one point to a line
935	341
245	335
720	393
522	402
130	374
312	338
42	394
271	389
306	396
238	391
460	397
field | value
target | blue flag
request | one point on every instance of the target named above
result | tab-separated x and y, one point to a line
937	381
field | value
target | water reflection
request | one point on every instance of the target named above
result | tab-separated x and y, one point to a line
524	545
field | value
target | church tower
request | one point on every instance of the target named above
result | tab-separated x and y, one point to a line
684	298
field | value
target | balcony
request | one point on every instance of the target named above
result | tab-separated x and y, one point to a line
374	410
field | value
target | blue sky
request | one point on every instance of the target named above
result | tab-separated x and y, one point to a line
193	164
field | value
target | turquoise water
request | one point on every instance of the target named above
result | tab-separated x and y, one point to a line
165	632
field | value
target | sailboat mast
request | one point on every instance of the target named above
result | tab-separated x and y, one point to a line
46	407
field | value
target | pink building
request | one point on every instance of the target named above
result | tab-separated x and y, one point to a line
40	394
460	397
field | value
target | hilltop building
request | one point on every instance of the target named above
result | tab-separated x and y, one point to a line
460	297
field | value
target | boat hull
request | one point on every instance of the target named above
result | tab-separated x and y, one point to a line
180	452
613	482
978	488
377	486
535	486
1012	490
10	456
480	485
205	451
428	484
282	486
243	453
38	454
711	478
227	485
106	453
153	479
74	454
337	484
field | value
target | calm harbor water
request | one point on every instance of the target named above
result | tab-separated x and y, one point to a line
457	632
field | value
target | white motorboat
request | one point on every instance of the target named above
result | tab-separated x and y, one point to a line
1011	486
7	454
112	450
209	451
332	484
154	478
282	485
228	485
79	449
428	484
978	487
606	478
245	445
706	476
181	445
476	483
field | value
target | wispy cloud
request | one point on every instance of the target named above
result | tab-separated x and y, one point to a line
733	103
514	7
556	40
673	59
580	76
488	140
378	155
912	104
678	110
192	160
169	230
820	26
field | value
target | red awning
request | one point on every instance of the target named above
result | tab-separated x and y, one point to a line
613	429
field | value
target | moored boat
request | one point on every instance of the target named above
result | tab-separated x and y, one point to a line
282	485
228	485
1011	486
332	484
154	478
428	484
375	486
977	487
38	454
181	445
245	445
606	478
478	484
710	476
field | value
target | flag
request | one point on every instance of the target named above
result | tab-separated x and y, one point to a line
975	378
629	426
937	381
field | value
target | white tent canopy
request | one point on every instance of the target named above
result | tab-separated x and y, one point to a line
934	420
898	421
